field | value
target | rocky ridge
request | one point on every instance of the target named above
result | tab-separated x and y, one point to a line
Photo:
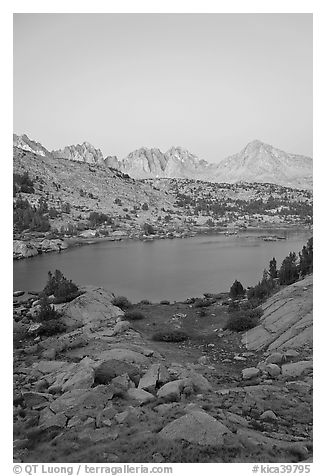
257	162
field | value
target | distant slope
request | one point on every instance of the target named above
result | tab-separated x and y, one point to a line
259	162
85	186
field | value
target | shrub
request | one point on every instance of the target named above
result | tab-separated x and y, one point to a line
47	312
236	290
202	302
122	302
52	327
202	312
69	298
289	272
63	289
306	258
29	217
24	182
145	302
96	218
241	321
148	229
134	315
170	336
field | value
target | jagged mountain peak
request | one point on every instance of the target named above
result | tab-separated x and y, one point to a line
84	152
256	162
25	143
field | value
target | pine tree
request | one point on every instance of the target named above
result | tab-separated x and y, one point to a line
236	290
273	268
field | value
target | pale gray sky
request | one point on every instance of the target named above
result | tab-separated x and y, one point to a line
208	82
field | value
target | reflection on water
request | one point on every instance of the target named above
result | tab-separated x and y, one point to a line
162	269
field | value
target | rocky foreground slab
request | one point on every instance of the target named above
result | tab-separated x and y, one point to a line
287	320
102	392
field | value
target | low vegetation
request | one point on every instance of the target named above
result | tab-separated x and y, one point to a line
245	314
170	336
61	288
23	183
122	302
134	315
49	318
242	320
28	217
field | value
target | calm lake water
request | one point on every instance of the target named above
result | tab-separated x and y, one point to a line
163	269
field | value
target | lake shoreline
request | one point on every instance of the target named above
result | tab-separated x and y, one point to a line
34	247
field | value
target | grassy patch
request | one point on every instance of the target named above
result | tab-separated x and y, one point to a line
170	336
134	315
243	320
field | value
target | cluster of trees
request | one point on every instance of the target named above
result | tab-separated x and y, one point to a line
23	183
292	268
63	290
208	204
245	314
28	217
97	218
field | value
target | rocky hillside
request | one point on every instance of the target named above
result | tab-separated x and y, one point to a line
257	162
105	391
87	188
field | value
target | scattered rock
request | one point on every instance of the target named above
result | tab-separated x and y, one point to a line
198	382
291	354
48	419
121	327
123	381
268	415
273	370
275	358
249	373
196	427
140	395
155	375
18	293
158	458
110	369
203	360
34	399
125	355
296	369
171	390
93	307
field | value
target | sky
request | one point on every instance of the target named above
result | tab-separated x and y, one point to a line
208	82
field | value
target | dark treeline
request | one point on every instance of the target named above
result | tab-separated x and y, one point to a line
29	217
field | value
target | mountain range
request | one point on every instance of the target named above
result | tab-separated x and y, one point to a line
257	162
